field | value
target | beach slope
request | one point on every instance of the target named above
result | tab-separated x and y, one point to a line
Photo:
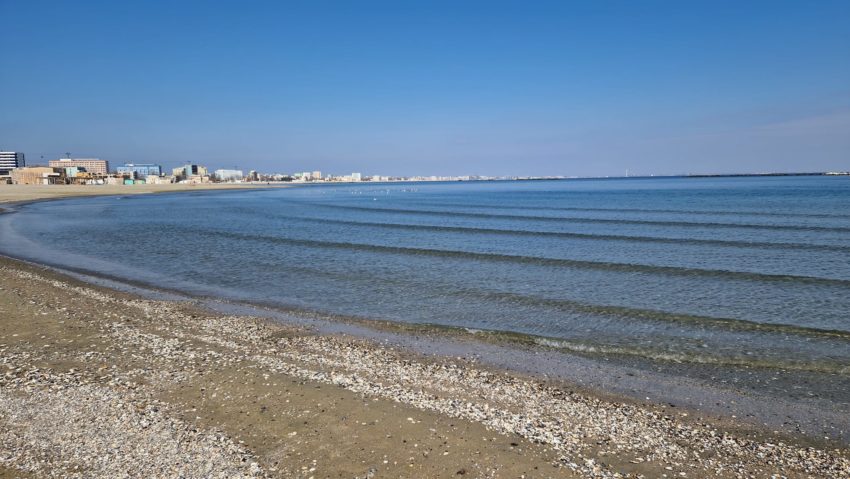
97	383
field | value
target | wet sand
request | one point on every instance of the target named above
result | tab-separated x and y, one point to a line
99	383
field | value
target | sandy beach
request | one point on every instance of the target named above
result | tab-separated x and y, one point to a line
16	193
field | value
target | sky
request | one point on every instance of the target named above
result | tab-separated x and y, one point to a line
575	88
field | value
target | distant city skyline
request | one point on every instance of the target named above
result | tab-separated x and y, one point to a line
432	88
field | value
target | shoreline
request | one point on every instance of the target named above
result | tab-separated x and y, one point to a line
582	434
819	422
430	347
619	376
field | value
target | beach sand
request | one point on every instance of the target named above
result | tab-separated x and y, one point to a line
98	383
15	193
222	402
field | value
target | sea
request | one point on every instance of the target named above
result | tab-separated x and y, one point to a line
675	273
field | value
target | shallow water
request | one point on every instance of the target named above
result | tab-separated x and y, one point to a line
724	271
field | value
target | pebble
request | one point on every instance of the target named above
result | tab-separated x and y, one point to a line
175	344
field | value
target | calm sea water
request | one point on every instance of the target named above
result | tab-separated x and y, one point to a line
724	271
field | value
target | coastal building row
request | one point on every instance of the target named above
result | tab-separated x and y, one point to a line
13	170
97	171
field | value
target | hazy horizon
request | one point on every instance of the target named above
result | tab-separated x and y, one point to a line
432	88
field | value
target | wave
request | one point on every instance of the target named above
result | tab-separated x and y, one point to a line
586	236
645	210
562	219
728	324
597	348
610	311
593	348
542	261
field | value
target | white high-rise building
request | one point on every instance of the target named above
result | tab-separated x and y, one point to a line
229	175
356	176
9	160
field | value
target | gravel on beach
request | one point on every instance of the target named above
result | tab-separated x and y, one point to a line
95	383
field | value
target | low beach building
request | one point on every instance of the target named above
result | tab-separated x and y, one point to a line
76	175
160	180
37	175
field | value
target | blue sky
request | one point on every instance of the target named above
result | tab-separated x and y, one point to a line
432	87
